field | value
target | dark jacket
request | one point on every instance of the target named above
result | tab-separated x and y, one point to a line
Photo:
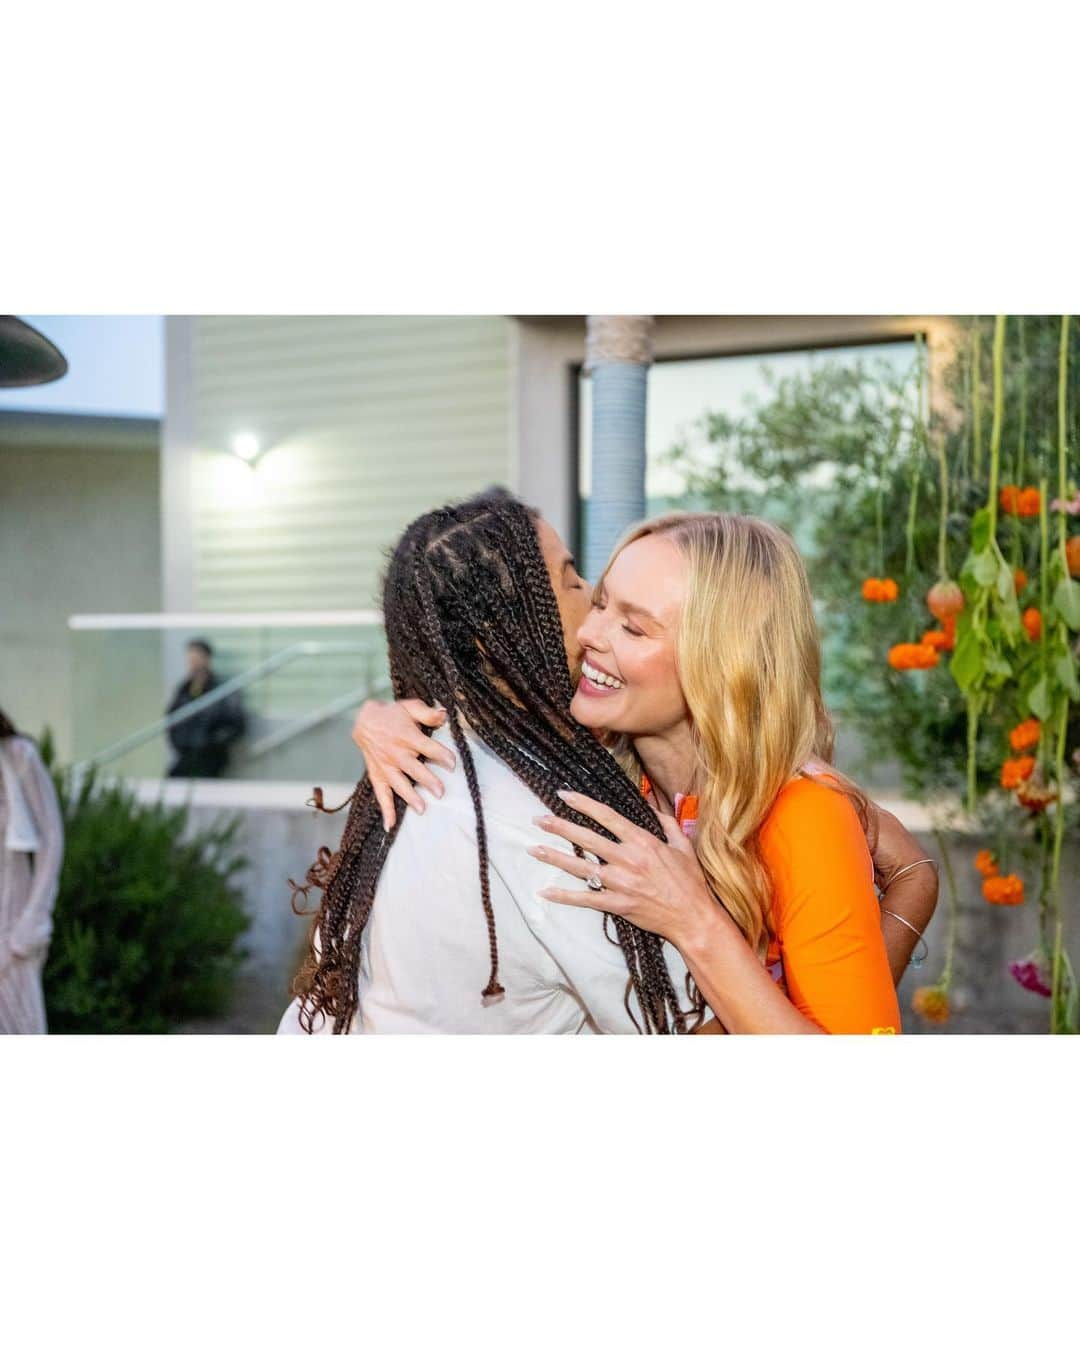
216	727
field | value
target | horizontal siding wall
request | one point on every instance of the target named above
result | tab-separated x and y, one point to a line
367	423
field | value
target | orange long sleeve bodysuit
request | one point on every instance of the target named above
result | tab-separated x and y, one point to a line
827	951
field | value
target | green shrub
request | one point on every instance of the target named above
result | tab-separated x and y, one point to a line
148	915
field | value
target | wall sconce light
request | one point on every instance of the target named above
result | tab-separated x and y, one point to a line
245	445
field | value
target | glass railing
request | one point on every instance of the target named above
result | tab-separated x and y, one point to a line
276	702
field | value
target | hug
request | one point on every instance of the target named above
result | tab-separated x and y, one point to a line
637	828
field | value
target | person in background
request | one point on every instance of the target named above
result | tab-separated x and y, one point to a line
31	854
202	741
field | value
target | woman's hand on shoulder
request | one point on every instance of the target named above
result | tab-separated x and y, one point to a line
391	738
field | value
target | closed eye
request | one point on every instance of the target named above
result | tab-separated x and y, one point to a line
631	631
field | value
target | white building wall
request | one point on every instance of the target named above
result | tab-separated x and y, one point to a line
366	422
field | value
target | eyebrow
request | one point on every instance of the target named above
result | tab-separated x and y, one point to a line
568	560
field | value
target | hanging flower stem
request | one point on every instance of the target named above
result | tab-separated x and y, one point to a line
999	412
1063	400
973	709
945	981
1059	984
1021	448
976	403
1059	989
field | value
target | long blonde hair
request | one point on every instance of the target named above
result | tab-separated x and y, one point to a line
749	661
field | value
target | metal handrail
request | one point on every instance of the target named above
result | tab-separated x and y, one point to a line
262	670
304	723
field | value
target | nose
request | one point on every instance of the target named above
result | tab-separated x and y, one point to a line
590	633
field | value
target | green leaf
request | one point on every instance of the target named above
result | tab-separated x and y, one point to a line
1038	700
996	664
1065	669
1004	584
1067	602
966	666
980	530
984	568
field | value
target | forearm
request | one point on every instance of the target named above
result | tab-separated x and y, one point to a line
734	983
912	897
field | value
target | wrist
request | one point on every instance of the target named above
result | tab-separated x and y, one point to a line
706	929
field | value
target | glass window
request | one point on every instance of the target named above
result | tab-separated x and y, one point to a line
685	396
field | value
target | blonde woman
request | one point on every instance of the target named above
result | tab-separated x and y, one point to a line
701	668
702	662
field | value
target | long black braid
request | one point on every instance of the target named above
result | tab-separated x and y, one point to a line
472	623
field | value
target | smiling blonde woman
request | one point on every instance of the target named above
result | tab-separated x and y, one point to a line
702	670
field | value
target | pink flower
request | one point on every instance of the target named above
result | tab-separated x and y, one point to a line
1071	507
1031	974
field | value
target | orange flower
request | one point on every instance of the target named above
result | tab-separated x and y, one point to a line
938	641
1016	770
932	1004
1020	580
1007	891
985	863
945	600
1034	796
912	655
1025	735
1072	555
1028	502
1032	620
1007	499
877	591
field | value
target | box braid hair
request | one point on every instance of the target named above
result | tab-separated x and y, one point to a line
472	623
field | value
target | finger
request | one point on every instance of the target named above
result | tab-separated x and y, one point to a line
385	798
434	752
404	788
672	829
604	815
584	837
421	712
602	902
579	867
424	777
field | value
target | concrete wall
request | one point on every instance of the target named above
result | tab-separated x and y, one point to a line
79	532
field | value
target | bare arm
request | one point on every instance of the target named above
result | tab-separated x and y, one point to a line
912	896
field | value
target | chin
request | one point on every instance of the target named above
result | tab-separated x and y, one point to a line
585	711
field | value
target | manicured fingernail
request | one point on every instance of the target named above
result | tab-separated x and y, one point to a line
544	893
564	794
538	852
438	790
542	819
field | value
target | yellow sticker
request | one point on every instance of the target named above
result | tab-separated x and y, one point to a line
883	1029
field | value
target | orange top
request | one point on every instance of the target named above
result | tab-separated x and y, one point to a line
825	913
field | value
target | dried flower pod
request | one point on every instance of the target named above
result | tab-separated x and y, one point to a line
945	600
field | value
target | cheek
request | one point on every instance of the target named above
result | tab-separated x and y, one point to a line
653	675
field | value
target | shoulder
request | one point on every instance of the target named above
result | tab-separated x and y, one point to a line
21	751
808	815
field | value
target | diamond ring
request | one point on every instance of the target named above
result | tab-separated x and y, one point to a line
595	883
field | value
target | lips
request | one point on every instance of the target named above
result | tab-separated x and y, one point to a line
597	682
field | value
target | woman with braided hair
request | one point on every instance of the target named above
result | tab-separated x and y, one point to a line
701	670
477	603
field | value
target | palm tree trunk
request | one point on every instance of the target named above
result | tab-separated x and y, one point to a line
618	356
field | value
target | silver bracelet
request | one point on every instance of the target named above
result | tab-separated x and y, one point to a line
922	861
917	960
